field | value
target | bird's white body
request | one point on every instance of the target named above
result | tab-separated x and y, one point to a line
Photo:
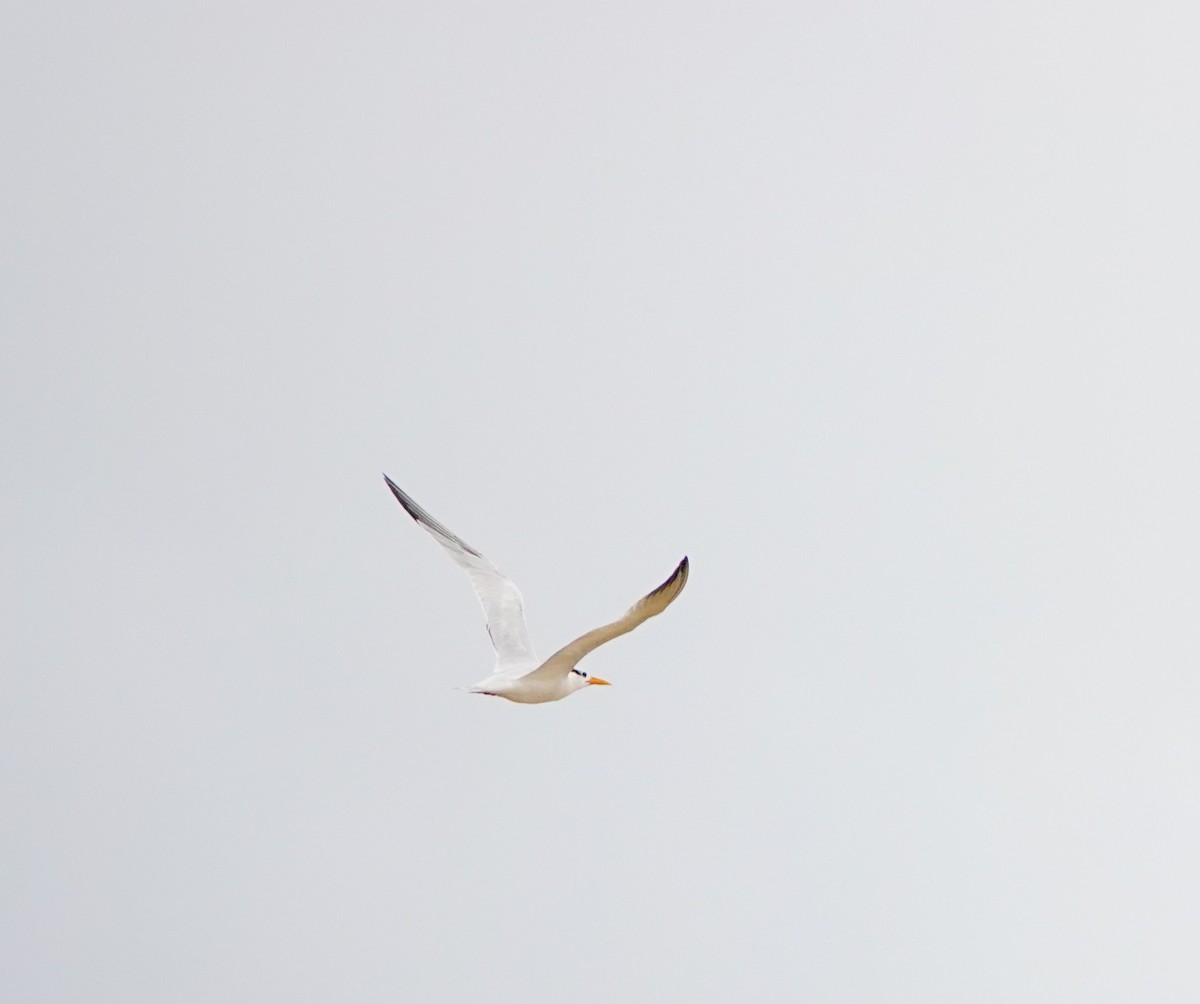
524	690
519	675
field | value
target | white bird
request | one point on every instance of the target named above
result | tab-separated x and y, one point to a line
519	675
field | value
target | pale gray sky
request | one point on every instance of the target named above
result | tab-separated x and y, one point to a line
884	314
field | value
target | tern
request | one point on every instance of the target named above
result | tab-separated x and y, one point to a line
519	675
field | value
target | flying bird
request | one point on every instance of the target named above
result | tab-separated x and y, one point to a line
519	675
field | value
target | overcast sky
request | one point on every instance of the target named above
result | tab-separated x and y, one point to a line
884	314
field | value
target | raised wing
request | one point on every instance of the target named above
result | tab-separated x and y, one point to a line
650	605
499	597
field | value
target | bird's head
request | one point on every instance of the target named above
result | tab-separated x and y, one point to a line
577	679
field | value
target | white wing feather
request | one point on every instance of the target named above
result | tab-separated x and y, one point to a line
498	595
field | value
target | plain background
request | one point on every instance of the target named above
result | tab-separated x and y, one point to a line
885	314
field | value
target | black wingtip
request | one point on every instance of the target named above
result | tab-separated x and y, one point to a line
680	573
403	499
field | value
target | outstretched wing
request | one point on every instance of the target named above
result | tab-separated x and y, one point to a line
650	605
498	595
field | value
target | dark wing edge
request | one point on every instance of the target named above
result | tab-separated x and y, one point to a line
680	575
421	516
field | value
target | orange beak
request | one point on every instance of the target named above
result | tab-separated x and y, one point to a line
595	681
